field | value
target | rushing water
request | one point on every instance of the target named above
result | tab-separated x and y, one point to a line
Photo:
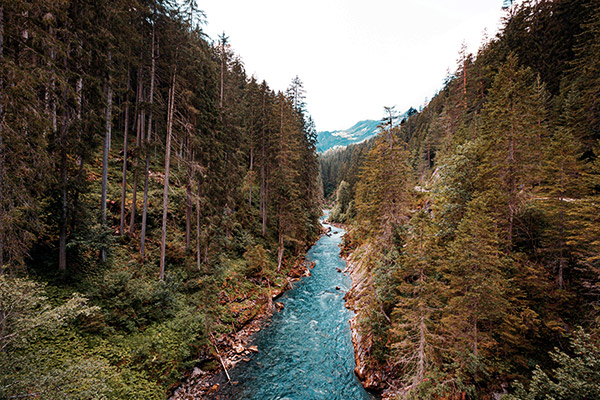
306	352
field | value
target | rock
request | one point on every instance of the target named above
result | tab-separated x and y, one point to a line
278	306
238	348
337	288
197	372
335	232
253	349
214	389
312	265
338	270
276	293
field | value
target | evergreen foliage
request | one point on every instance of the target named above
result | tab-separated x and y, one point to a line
482	227
141	167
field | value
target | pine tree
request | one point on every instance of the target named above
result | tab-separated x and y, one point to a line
479	295
508	139
383	191
417	310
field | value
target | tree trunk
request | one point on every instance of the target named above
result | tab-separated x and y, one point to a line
141	118
148	137
170	113
125	140
198	228
561	230
222	71
280	245
62	246
105	151
188	194
512	198
251	178
421	350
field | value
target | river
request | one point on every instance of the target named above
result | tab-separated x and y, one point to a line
305	353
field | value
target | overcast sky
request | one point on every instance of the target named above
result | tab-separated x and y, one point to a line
354	57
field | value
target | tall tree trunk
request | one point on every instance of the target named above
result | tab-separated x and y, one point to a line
125	140
223	41
512	179
62	240
79	113
251	178
198	227
105	151
421	350
62	247
261	204
561	230
148	137
170	113
280	244
141	118
188	194
465	82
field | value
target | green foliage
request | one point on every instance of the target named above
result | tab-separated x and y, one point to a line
243	182
493	255
576	375
258	262
130	302
25	313
342	210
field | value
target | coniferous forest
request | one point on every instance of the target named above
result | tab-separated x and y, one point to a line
153	196
475	222
155	199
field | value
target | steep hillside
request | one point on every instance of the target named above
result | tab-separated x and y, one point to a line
475	222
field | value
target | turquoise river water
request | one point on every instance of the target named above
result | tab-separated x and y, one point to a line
305	353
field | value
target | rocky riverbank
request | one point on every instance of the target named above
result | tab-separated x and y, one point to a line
360	298
228	350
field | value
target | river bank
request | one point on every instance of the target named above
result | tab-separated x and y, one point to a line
305	350
228	350
360	299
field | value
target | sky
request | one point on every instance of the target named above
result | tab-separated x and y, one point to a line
353	56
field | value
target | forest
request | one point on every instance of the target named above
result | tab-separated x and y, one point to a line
155	199
153	196
474	223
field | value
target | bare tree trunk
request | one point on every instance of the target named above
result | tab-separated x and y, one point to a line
62	241
198	228
105	151
141	117
280	245
148	137
561	231
62	251
465	81
188	194
251	178
223	41
421	350
125	140
170	110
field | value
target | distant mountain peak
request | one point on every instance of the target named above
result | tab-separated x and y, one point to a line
359	132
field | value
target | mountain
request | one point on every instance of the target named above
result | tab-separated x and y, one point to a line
360	131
